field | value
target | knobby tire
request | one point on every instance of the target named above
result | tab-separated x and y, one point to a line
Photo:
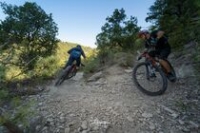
68	73
63	76
145	90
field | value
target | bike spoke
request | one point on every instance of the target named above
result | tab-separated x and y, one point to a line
150	82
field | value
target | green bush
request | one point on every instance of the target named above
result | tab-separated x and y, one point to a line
2	73
3	94
20	116
91	65
124	59
46	67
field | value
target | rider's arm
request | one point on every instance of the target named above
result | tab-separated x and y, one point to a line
70	50
83	53
160	33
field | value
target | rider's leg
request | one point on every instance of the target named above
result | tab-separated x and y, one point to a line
168	69
163	55
165	65
151	70
78	62
69	62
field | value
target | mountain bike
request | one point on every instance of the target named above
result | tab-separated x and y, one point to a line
150	77
68	72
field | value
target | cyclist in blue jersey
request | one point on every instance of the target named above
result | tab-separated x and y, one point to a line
75	54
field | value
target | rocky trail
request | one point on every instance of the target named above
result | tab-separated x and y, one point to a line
108	102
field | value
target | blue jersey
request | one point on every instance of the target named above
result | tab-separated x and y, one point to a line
76	52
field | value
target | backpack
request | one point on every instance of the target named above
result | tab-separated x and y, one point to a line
154	34
76	53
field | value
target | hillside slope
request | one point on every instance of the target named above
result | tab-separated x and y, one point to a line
110	103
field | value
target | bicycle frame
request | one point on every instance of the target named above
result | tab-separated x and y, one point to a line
155	62
72	70
149	59
153	74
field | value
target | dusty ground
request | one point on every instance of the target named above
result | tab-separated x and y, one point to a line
110	103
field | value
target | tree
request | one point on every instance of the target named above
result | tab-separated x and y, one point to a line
179	18
156	11
118	31
29	31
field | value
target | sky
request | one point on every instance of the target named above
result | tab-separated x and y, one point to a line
80	21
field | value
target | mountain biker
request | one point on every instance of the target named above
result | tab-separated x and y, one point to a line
75	54
157	44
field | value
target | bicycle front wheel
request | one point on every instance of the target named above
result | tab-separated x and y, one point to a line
60	80
62	76
152	84
72	72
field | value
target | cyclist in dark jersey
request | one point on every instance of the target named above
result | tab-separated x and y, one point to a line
75	54
157	44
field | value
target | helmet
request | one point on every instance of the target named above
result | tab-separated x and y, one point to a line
142	32
78	46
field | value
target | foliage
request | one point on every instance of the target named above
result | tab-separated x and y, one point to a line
28	44
180	19
118	32
124	59
93	65
45	67
29	31
20	116
3	94
107	58
2	73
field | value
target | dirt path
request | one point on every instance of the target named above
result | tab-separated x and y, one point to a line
111	104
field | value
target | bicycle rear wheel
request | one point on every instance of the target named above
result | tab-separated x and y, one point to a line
149	84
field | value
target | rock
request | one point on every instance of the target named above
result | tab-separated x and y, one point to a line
85	131
128	70
174	115
95	77
147	115
67	130
40	104
44	129
152	126
38	127
168	109
184	71
84	125
195	125
181	122
129	118
97	124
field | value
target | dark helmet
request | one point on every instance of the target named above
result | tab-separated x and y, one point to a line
142	32
78	46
